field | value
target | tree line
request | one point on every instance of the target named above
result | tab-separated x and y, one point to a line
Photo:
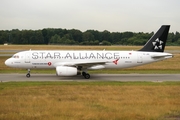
76	37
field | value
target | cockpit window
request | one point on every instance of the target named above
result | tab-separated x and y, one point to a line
15	56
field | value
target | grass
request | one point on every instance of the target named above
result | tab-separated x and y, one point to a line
89	100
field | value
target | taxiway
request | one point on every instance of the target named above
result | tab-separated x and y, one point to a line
94	77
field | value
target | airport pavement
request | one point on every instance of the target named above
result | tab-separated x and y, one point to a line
94	77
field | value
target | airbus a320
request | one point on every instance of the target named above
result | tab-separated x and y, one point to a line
72	63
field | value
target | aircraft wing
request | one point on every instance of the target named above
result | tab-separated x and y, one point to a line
84	64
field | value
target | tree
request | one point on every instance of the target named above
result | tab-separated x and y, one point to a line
45	36
87	36
116	37
97	35
32	37
178	41
4	37
73	36
104	42
67	40
55	39
76	35
106	36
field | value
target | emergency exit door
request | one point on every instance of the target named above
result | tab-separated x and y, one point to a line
27	57
139	58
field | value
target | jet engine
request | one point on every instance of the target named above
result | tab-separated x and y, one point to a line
66	71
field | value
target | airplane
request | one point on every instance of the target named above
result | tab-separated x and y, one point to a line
72	63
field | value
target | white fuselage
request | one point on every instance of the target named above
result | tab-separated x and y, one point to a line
43	59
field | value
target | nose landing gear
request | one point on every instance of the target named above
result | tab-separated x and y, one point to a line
28	75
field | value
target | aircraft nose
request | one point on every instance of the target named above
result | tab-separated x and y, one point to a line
7	62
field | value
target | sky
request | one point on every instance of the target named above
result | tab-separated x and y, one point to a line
111	15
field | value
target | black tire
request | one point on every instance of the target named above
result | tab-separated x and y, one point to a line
83	73
87	76
28	75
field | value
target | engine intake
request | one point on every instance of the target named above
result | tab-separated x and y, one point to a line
66	71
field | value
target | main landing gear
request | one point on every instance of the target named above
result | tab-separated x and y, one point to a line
86	75
28	75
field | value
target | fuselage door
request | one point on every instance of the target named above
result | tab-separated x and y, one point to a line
27	57
139	58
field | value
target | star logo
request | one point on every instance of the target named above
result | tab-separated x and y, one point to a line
116	61
158	44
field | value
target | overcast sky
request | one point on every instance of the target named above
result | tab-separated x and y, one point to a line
111	15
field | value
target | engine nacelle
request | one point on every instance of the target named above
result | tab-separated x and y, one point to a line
66	71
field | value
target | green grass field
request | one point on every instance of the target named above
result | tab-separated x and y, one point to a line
89	101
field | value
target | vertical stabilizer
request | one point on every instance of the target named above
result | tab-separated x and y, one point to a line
158	41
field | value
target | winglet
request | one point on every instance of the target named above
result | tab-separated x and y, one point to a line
158	41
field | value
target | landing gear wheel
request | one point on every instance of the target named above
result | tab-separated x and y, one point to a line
87	76
83	73
28	75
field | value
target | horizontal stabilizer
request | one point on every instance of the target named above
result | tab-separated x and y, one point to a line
159	56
